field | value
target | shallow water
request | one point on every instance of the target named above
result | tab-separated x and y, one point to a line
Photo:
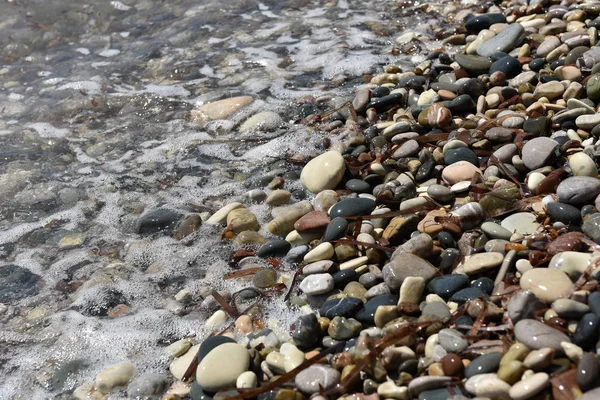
94	131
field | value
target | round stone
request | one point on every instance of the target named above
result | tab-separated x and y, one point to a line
538	151
341	328
323	172
452	365
317	284
582	165
343	307
445	286
547	284
315	378
220	368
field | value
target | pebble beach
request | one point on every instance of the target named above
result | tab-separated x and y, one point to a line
300	200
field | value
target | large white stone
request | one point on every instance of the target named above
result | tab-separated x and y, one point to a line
323	172
220	368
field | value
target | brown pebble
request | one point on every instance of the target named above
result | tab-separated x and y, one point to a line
446	94
438	116
365	158
276	183
312	221
452	365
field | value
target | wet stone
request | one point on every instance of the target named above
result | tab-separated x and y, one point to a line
352	207
564	213
524	304
446	285
317	284
210	343
508	65
315	378
537	335
17	283
546	284
343	307
358	186
367	314
312	221
159	220
467	294
323	172
591	227
483	364
274	248
505	41
306	331
452	340
148	385
588	372
341	328
477	23
587	331
336	229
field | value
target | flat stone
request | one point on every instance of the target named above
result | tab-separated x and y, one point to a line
547	284
538	151
278	197
550	90
523	223
265	121
423	383
496	231
316	284
473	64
352	207
220	368
505	41
578	190
221	109
274	248
343	307
452	340
312	221
315	378
115	376
537	335
570	309
405	265
529	387
445	286
323	172
480	262
487	386
484	364
459	171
